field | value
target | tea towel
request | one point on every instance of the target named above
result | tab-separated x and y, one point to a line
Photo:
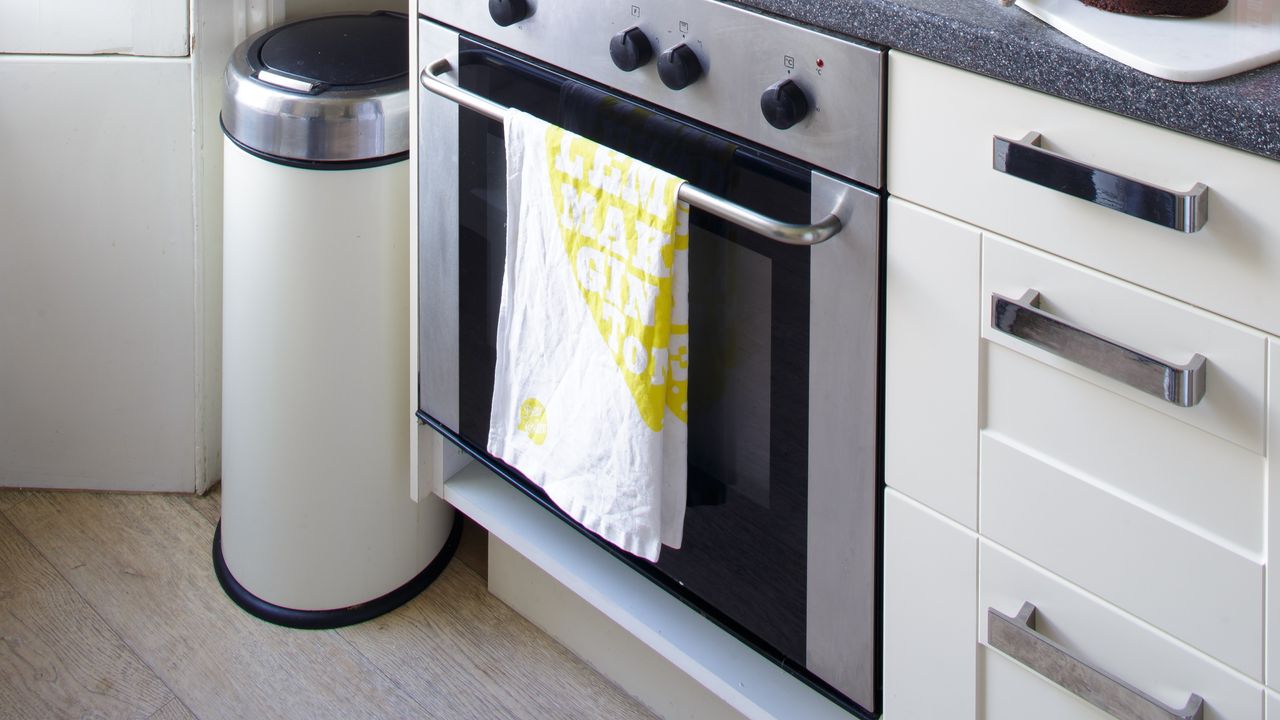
591	383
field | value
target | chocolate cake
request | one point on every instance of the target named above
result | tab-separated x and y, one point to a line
1175	8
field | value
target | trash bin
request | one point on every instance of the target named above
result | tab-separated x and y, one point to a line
318	528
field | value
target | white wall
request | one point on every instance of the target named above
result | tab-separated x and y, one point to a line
110	238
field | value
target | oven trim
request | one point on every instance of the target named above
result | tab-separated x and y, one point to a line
844	417
438	220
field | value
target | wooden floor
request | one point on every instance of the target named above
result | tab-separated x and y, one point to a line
109	609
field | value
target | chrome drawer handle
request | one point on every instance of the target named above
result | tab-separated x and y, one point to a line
783	232
1025	159
1182	385
1017	638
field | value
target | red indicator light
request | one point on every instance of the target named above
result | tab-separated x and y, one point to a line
821	64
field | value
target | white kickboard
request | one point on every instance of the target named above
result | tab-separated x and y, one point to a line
1242	36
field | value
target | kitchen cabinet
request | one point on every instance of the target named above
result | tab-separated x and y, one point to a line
1138	527
98	334
930	584
108	27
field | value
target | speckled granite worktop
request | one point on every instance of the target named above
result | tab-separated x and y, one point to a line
1242	111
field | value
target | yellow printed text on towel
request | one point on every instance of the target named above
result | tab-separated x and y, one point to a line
622	234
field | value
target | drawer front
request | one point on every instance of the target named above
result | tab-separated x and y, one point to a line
1233	405
1200	468
1097	636
940	155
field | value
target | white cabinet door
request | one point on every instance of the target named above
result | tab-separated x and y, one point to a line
97	286
1273	525
930	592
103	27
931	360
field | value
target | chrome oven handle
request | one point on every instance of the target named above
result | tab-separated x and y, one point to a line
789	233
1182	385
1026	160
1017	638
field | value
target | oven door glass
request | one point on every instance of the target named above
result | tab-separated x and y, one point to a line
744	551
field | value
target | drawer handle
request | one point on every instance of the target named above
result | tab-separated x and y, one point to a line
1017	638
1025	159
1182	385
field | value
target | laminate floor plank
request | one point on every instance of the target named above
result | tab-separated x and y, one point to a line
142	562
10	497
209	505
173	710
462	653
58	659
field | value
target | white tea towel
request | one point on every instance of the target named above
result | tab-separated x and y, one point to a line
590	391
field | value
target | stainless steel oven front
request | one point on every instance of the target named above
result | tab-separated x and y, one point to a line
778	131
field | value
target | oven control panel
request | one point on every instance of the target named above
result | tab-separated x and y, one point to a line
804	93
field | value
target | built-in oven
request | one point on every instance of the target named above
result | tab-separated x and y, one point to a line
781	530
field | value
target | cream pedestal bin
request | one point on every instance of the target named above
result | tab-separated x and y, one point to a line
318	529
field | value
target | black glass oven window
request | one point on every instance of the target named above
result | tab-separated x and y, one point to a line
745	530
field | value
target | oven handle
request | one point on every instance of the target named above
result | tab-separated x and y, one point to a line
783	232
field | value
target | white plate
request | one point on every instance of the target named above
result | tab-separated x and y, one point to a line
1242	36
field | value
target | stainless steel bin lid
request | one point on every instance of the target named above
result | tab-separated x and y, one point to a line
333	88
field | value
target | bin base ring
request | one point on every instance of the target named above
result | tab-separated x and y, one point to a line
338	617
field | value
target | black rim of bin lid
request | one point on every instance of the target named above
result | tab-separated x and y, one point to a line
336	51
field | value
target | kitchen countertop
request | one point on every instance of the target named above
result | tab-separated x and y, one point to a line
1242	111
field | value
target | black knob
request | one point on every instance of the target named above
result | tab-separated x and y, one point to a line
679	67
508	12
784	104
630	49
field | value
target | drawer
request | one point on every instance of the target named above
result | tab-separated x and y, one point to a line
1096	635
1233	404
940	151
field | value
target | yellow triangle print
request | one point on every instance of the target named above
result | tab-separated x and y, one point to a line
623	231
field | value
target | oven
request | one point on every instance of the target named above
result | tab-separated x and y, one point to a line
781	537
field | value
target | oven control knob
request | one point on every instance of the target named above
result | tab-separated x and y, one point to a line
508	12
784	104
679	67
630	49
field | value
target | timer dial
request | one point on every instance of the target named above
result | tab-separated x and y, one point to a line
679	67
630	49
508	12
784	104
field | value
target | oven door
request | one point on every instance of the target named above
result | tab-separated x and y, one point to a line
780	540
